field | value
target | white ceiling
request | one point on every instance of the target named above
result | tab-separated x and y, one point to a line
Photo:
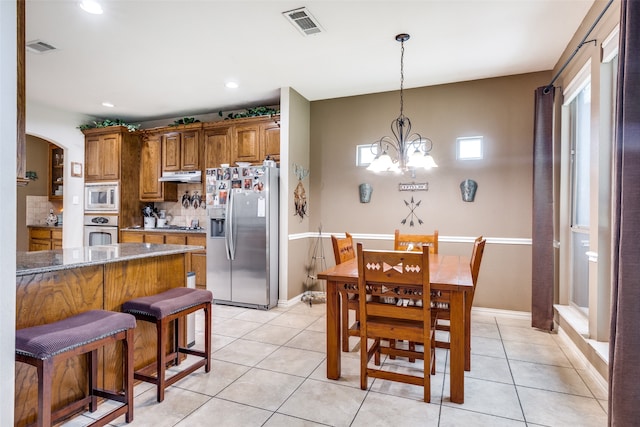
158	59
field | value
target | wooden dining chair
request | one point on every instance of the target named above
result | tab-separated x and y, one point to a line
440	302
415	242
395	274
343	251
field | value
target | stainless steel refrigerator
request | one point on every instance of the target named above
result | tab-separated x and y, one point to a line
242	244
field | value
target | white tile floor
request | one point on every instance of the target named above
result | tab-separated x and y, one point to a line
269	369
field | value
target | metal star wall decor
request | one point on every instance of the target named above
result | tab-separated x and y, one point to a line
411	215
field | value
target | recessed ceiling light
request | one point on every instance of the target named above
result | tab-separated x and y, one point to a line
108	104
232	85
91	6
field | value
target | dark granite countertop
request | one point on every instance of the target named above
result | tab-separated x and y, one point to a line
62	259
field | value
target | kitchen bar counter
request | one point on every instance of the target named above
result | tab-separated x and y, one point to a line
55	284
63	259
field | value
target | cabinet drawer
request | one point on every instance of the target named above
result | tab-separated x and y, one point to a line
154	238
41	233
131	237
172	239
56	234
197	240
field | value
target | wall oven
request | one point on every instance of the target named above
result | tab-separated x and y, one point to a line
101	197
100	229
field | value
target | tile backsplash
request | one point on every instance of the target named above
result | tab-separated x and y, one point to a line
182	212
37	209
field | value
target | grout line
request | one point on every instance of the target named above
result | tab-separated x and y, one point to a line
515	387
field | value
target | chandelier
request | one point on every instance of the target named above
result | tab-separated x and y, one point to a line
405	151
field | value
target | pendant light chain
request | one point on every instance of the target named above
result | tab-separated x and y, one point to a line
402	78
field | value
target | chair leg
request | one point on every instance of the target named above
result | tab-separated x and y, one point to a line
45	377
161	354
207	336
92	367
128	373
344	327
177	339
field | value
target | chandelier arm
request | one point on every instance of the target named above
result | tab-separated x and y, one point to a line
383	145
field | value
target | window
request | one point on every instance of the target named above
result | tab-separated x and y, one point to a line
469	148
365	153
580	110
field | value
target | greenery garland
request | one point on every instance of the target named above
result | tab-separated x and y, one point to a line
252	112
108	122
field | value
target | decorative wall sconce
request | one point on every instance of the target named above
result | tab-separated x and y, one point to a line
468	189
365	193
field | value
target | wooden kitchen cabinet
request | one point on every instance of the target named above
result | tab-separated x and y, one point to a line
56	171
152	190
113	154
102	157
44	238
196	261
217	146
254	139
271	140
108	152
181	150
246	143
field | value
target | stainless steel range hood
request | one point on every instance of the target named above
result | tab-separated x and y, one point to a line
181	176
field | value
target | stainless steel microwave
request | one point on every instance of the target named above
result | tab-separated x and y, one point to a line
101	197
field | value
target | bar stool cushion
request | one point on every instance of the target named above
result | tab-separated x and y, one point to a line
168	302
45	341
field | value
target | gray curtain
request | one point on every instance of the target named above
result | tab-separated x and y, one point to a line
542	232
624	344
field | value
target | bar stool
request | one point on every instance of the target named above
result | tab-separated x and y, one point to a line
44	345
164	309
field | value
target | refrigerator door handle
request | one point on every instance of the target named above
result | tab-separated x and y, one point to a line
230	238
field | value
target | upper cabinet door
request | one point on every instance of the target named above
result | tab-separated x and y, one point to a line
171	152
92	169
181	151
110	156
271	141
102	157
217	147
189	152
247	143
150	187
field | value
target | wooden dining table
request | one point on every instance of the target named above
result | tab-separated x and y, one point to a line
449	274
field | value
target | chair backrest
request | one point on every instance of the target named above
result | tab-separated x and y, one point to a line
395	274
343	248
415	242
476	258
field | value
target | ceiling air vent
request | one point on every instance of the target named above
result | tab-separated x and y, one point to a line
38	46
303	21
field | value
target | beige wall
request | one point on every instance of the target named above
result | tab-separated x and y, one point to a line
499	109
37	159
294	141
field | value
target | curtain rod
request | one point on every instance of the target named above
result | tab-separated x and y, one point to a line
582	43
